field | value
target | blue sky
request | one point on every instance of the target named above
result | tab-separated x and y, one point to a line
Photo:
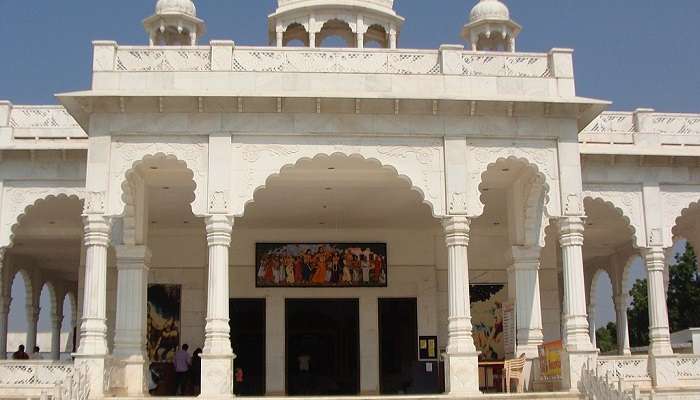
641	53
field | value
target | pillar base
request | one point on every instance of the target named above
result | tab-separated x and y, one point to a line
217	376
462	374
663	371
94	369
573	362
128	376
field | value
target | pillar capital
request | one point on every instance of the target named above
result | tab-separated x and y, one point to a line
457	230
219	228
524	257
571	231
96	230
133	257
654	258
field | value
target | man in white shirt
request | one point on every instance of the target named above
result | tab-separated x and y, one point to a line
182	362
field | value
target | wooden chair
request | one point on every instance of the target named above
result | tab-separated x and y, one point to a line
513	371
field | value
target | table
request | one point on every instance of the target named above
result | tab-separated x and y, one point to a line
490	373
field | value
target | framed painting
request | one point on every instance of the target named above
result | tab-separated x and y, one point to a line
487	319
321	265
163	322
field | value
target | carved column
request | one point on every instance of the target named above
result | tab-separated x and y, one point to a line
591	324
217	359
5	301
92	350
623	335
662	365
392	37
56	322
130	332
461	368
525	270
32	320
577	342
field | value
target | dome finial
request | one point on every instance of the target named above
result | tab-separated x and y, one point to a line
175	22
490	27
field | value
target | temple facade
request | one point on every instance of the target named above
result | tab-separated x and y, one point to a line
296	201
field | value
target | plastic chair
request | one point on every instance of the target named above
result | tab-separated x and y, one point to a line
513	370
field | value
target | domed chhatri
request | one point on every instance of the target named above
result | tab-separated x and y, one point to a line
357	22
490	27
174	23
176	7
489	9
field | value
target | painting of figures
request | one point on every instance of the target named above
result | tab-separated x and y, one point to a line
321	265
487	320
163	322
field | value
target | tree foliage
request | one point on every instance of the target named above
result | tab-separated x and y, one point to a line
683	299
606	338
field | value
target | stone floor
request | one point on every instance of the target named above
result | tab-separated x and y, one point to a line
525	396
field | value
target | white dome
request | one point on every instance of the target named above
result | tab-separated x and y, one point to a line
489	9
176	7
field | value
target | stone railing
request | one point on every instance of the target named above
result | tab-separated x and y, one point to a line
632	370
688	369
644	121
594	386
43	379
39	122
225	56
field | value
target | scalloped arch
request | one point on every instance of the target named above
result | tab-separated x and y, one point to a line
626	271
536	213
31	198
638	241
595	282
692	207
53	295
321	156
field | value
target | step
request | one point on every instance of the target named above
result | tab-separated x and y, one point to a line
500	396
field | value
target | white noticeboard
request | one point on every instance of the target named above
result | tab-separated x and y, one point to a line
509	329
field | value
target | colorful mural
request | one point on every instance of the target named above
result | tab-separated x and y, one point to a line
487	320
163	325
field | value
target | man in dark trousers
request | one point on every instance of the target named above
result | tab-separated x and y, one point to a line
182	363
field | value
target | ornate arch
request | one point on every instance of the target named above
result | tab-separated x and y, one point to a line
678	201
595	281
627	201
129	153
538	155
53	297
18	201
418	161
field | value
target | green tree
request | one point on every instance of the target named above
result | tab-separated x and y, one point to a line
682	299
606	338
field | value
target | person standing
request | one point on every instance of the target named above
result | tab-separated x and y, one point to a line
182	363
196	371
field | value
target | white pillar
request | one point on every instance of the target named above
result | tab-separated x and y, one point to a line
461	366
392	37
577	342
591	324
32	320
4	312
623	335
92	350
525	271
369	346
659	335
130	331
217	359
56	322
279	39
275	343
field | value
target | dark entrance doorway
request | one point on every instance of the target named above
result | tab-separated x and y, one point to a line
323	344
398	354
248	341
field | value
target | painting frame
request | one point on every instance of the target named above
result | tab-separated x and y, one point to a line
163	321
321	265
486	302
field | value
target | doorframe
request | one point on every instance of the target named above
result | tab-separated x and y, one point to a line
356	303
379	332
